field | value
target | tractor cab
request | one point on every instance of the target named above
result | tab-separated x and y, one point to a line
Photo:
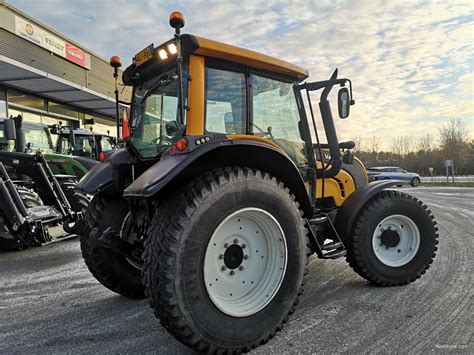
81	142
231	94
34	137
31	138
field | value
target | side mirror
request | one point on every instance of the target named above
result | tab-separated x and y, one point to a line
343	102
9	129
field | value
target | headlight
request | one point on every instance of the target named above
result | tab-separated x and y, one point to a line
172	48
162	54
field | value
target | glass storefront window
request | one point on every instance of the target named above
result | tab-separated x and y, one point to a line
62	110
3	104
19	98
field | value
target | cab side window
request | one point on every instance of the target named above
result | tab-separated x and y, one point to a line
225	101
276	116
65	147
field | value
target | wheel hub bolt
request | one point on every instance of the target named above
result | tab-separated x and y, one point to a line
232	272
236	241
244	246
241	268
226	245
246	257
221	256
223	268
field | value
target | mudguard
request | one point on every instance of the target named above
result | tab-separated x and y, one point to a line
162	172
101	175
248	153
347	213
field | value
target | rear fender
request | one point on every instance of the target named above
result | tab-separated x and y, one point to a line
173	169
101	176
348	212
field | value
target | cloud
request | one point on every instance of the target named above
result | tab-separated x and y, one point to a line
410	62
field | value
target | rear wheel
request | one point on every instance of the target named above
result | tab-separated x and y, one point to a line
394	239
112	269
225	260
415	182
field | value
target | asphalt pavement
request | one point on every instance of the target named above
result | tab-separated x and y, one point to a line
50	303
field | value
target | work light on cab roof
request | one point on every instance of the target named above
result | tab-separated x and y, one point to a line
176	20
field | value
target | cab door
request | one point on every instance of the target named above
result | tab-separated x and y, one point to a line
275	116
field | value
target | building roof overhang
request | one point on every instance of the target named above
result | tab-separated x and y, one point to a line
26	78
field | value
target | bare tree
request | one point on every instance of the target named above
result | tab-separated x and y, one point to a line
425	143
375	144
359	144
402	145
454	139
452	133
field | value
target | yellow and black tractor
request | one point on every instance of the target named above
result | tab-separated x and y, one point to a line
221	195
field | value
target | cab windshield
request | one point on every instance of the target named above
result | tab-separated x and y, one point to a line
40	138
84	146
155	116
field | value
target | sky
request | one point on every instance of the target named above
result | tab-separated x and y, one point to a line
411	62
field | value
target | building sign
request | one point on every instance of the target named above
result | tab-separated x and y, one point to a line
52	43
75	55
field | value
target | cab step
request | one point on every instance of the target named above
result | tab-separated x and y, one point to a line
335	254
332	247
318	220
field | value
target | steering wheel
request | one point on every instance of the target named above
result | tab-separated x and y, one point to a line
165	139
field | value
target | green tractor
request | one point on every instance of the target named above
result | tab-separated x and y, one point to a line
33	137
221	195
82	142
38	206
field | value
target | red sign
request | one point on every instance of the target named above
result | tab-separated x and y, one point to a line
75	55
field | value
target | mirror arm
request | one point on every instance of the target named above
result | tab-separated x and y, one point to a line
351	102
328	88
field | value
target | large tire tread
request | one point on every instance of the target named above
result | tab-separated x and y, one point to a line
31	199
94	260
354	255
161	252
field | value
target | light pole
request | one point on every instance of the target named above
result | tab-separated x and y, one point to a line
116	63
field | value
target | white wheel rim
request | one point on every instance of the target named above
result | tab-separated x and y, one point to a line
396	251
254	238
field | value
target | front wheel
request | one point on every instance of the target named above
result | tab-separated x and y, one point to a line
225	260
9	240
394	239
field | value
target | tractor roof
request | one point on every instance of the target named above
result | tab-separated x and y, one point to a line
215	49
148	60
